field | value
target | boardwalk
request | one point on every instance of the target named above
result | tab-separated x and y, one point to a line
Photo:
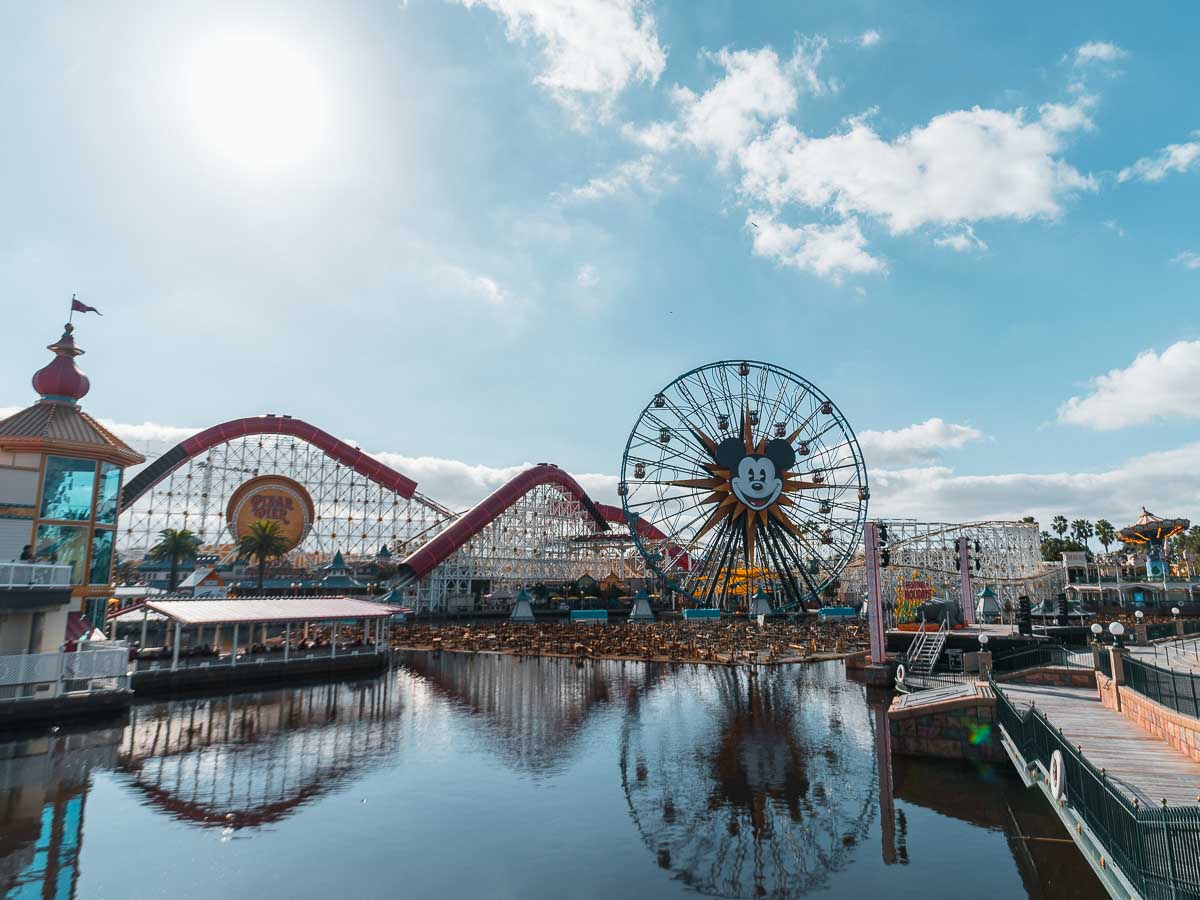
1139	764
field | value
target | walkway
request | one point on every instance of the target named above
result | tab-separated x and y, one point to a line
1182	655
1140	765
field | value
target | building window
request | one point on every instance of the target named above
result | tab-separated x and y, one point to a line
109	494
64	544
67	490
102	554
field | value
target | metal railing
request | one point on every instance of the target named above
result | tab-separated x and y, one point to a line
34	575
29	675
1157	849
165	663
1039	657
1172	688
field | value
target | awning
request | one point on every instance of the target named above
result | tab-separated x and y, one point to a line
276	609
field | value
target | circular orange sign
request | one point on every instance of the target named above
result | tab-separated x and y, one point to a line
271	498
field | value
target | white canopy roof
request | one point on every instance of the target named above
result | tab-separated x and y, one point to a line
273	609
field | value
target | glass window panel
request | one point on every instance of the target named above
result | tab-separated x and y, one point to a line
108	495
67	490
64	544
102	557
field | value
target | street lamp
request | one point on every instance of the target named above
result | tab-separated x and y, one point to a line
1097	630
1175	611
1116	629
983	641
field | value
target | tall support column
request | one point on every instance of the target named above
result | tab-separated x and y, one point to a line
233	650
333	641
287	641
964	573
175	650
217	640
874	594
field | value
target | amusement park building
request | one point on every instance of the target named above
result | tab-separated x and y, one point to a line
60	483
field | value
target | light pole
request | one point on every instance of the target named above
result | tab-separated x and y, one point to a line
1116	629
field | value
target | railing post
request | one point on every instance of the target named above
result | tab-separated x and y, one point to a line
58	680
234	649
175	649
287	640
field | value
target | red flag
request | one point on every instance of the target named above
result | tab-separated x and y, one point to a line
76	306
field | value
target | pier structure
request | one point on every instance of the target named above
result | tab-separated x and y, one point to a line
1110	736
198	655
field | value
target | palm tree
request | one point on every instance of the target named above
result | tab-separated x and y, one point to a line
263	541
1081	530
1059	526
174	545
1105	533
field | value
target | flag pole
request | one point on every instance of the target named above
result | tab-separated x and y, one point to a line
71	315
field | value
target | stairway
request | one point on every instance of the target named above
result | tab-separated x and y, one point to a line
926	650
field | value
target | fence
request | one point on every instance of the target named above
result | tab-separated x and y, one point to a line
1172	688
34	575
1038	657
1157	849
33	674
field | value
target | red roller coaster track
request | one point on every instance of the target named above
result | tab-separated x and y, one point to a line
470	523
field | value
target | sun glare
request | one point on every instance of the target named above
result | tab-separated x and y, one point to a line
258	101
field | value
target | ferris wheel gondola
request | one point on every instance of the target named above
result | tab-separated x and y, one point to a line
753	480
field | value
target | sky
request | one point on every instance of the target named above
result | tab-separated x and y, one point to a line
468	235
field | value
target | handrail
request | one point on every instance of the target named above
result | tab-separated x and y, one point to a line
1035	657
1157	849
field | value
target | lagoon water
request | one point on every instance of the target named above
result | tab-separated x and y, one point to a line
491	776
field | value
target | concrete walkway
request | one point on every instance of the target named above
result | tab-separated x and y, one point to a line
1140	765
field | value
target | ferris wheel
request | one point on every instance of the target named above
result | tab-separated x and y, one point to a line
751	479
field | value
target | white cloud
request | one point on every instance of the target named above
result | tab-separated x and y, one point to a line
1188	259
830	251
479	287
1171	158
587	277
1153	386
1098	51
1114	226
592	50
756	87
961	241
922	442
869	38
1167	482
963	166
645	174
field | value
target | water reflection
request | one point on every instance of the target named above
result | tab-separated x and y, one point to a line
250	759
766	794
495	776
531	712
43	788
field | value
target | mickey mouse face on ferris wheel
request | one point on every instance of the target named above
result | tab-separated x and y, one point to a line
756	480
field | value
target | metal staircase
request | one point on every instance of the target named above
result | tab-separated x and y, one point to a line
926	649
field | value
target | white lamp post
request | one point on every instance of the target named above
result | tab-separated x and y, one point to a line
1097	630
1116	629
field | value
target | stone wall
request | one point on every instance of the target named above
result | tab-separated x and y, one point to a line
1059	676
961	728
1179	731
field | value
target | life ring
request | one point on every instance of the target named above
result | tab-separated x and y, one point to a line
900	673
1058	785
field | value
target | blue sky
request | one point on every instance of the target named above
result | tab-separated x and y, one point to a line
470	234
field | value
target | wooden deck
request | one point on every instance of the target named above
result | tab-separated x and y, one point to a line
1139	764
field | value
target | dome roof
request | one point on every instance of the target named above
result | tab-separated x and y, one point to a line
61	378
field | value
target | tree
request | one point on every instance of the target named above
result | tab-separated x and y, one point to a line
1059	525
1053	548
1105	533
174	545
1081	530
1029	520
263	541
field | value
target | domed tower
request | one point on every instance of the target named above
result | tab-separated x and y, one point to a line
60	490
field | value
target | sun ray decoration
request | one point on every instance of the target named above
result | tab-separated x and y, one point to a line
753	480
